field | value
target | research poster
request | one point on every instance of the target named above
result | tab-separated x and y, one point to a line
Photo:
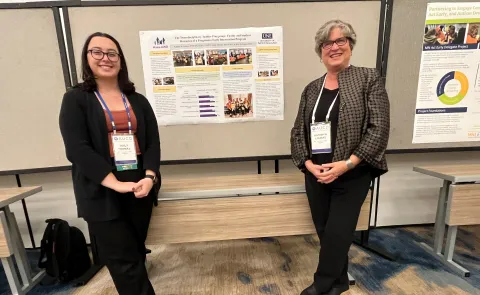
448	93
214	76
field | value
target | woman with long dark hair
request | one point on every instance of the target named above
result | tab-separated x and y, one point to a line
111	138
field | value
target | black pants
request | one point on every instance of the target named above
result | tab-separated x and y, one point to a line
121	245
335	209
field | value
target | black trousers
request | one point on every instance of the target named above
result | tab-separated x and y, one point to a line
335	209
121	245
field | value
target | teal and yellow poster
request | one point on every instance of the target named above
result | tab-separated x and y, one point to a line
448	93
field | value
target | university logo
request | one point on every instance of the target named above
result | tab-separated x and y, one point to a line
473	134
267	36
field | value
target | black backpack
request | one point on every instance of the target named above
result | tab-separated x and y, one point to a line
64	253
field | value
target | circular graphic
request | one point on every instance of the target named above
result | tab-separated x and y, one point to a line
459	86
452	88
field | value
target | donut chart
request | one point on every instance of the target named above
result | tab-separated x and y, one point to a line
454	75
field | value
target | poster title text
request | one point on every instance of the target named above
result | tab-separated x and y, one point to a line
212	38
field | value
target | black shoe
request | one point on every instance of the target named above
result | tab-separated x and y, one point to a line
310	291
337	289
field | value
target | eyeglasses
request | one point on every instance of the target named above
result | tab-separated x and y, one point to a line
340	42
98	55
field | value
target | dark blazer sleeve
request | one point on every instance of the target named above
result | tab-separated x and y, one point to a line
74	130
298	144
375	140
151	156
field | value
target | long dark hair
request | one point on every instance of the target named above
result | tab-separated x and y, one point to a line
89	82
460	36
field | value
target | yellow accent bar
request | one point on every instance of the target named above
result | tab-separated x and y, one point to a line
267	79
160	53
197	70
268	49
238	68
164	89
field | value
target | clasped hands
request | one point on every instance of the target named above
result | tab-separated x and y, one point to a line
327	173
140	189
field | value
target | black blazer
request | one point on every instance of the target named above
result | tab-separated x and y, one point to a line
363	123
84	130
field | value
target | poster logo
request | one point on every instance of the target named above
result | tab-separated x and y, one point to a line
267	36
159	41
474	134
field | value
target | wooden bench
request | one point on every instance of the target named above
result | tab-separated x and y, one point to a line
230	207
235	207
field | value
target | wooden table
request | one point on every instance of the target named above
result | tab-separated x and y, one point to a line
458	204
11	244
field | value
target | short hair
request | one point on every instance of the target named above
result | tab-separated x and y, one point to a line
472	28
323	34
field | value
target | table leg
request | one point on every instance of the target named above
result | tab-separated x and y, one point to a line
20	255
449	249
19	248
439	228
440	218
11	274
437	214
446	258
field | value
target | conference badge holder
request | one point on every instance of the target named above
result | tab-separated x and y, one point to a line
321	137
124	151
321	131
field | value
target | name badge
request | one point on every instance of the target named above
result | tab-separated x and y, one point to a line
321	138
124	151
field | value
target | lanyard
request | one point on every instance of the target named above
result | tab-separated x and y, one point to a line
318	99
110	113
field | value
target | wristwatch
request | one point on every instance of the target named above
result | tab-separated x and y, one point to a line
350	164
152	177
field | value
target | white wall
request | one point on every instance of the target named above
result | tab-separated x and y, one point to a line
406	197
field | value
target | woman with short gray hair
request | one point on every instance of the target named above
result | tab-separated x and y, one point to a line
338	141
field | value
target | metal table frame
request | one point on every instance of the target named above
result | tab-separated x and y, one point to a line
14	240
446	257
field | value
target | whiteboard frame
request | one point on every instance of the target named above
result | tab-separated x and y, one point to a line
58	7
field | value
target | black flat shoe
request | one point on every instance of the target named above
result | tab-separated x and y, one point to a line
337	289
310	291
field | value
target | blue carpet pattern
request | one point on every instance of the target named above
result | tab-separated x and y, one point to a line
292	261
33	256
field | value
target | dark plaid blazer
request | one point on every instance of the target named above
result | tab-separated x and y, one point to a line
363	124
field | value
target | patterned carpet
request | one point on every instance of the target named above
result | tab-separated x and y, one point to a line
283	266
